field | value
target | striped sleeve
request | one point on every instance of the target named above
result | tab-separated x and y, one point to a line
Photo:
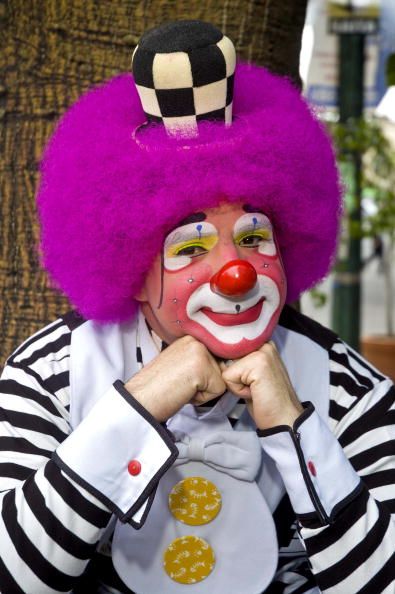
293	575
49	525
56	500
354	552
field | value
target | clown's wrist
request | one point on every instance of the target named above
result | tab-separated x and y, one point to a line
317	475
145	397
286	416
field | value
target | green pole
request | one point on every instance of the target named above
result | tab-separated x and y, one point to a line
346	289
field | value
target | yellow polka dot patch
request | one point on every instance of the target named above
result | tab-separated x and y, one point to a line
195	501
188	560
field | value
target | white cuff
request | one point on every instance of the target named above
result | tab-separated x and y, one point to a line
317	475
97	454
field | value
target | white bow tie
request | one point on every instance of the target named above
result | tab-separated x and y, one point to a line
237	453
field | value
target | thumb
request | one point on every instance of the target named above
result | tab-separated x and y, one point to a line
214	386
233	376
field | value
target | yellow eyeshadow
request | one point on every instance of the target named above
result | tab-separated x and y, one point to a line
207	243
262	233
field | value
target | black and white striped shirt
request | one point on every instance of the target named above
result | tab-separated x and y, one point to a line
51	522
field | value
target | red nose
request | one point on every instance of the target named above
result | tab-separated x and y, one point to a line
234	279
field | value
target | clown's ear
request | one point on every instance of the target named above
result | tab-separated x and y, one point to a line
141	296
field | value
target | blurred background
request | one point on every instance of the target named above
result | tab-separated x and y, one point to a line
347	64
341	54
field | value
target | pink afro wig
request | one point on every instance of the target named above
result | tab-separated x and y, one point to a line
106	201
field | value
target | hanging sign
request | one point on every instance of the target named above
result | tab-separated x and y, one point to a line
322	69
353	16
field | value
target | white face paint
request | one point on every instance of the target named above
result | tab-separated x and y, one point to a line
255	230
187	242
265	295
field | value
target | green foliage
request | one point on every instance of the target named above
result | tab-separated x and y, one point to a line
362	143
318	297
366	139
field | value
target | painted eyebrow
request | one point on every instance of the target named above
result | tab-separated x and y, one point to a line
196	217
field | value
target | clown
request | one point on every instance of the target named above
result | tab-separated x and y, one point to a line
184	429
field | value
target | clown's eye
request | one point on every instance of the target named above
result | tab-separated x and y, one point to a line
253	240
191	250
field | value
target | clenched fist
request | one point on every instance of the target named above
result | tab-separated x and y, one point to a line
184	372
262	380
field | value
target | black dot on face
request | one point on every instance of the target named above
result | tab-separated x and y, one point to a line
237	308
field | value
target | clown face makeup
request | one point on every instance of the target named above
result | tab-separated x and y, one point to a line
220	279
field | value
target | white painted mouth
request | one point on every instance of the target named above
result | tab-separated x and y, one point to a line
265	288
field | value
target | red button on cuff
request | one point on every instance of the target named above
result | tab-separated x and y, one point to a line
134	467
311	467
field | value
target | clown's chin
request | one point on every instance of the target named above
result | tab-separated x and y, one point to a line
231	342
236	351
213	320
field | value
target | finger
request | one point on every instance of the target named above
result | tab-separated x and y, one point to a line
215	385
240	376
239	389
234	373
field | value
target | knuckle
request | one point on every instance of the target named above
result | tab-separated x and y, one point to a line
260	357
194	348
227	379
262	360
267	352
186	340
199	349
269	347
272	350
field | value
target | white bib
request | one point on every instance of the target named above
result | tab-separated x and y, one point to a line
243	534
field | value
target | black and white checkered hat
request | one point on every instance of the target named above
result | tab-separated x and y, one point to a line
184	73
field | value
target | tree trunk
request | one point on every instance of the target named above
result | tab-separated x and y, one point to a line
52	50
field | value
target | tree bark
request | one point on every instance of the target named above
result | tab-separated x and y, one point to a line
52	50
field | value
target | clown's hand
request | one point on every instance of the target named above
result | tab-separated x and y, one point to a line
184	372
263	381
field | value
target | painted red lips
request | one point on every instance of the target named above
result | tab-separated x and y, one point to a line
226	319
